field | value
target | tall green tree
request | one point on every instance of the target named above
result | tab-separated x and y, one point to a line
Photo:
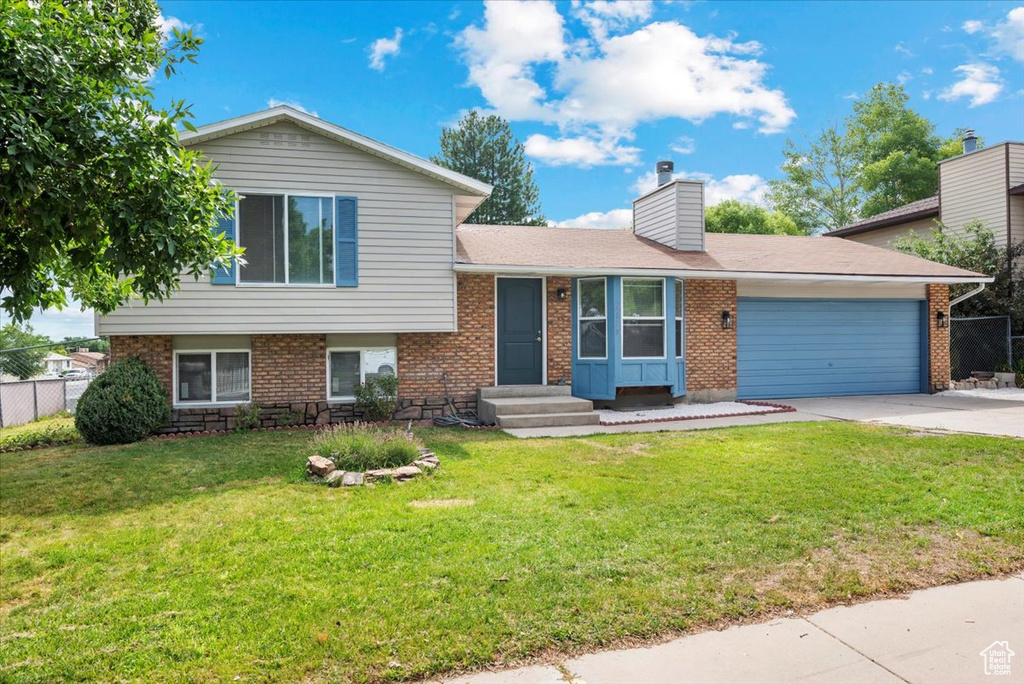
896	150
485	148
97	199
733	216
818	190
23	363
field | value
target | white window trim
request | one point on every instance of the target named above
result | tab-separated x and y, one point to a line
362	374
663	318
178	403
680	317
287	274
580	318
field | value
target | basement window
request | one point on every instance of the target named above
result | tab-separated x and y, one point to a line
211	377
643	318
349	368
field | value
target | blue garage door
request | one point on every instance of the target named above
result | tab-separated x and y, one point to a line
828	347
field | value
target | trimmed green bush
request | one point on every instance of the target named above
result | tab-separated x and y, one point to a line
124	404
360	448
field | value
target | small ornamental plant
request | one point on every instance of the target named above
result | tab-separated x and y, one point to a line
360	448
378	397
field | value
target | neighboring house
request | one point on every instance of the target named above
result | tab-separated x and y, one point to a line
95	362
56	363
358	262
985	185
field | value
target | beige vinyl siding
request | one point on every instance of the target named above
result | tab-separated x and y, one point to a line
654	216
882	237
770	288
406	246
690	217
1016	163
1016	152
973	187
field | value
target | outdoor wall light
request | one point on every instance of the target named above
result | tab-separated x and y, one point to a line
941	320
561	293
726	320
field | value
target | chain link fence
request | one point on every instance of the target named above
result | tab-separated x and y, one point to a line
982	343
42	380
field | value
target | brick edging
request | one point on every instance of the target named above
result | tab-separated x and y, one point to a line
775	408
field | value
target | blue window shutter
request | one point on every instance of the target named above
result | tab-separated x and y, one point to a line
225	276
346	242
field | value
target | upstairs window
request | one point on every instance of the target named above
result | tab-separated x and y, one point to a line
288	239
593	319
643	318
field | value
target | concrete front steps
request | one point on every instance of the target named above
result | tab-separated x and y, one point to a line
528	406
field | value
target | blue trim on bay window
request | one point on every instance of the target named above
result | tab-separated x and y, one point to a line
225	275
346	242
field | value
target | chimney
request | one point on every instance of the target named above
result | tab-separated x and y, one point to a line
970	141
665	169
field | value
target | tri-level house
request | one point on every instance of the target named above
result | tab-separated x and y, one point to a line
358	262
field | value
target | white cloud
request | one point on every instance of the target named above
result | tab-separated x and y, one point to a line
979	81
616	218
972	26
684	145
579	151
166	25
927	71
601	86
71	321
903	50
851	96
382	48
903	77
744	187
294	104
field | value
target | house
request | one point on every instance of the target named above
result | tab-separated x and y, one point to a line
95	362
56	363
358	261
985	185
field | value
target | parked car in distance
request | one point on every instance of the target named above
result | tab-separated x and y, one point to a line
77	374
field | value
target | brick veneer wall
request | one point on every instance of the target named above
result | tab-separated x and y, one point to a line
466	356
559	331
710	351
289	368
157	351
938	339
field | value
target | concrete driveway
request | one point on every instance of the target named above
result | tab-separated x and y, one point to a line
925	411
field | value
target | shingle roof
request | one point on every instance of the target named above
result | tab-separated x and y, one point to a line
579	250
920	209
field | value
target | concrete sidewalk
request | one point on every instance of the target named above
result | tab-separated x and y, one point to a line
933	636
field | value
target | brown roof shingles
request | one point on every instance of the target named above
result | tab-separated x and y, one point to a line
923	208
568	249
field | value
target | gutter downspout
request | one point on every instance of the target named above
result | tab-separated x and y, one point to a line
968	295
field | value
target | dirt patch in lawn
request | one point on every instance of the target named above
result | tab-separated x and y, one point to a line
441	503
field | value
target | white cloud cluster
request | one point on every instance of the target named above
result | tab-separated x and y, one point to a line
294	104
597	88
616	218
1008	35
166	25
745	187
972	26
382	48
980	82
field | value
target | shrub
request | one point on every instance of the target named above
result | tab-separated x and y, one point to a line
50	431
361	447
247	417
378	397
124	404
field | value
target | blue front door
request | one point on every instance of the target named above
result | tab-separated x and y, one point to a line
520	331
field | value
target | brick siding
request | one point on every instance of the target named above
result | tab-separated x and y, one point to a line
156	351
710	351
559	331
938	339
289	368
466	357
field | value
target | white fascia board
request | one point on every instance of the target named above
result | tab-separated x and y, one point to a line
716	275
317	125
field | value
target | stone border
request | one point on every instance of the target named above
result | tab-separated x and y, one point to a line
772	408
321	470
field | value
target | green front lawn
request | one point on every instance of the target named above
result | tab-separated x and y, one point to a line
209	558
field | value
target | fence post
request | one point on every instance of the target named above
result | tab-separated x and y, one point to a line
65	394
1009	344
35	400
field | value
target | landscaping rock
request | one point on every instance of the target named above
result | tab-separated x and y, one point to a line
319	466
406	472
410	413
352	479
424	464
379	474
336	478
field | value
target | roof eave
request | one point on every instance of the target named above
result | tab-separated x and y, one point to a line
884	223
577	271
314	124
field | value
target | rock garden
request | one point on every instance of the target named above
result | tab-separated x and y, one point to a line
358	454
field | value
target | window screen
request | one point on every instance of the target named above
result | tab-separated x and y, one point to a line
593	322
643	318
344	373
261	233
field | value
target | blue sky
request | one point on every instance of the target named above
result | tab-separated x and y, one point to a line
599	91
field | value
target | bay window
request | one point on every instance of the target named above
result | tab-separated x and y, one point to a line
349	368
288	239
211	377
593	318
643	318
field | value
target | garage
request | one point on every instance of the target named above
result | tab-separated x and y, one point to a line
829	347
